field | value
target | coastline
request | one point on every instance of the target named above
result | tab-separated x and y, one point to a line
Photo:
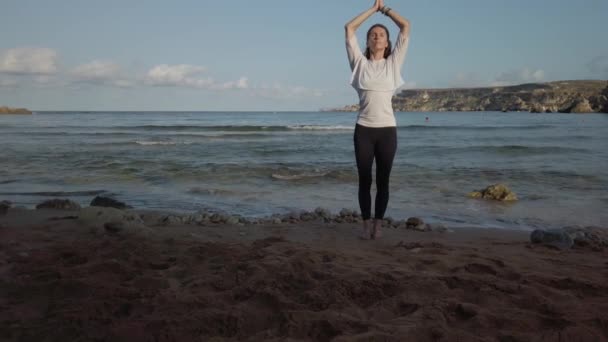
568	96
14	111
71	278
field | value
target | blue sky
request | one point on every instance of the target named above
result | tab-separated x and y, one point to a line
276	55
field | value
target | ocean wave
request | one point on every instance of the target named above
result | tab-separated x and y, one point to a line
526	150
57	193
297	176
206	191
47	133
475	128
340	175
509	150
321	128
235	128
163	143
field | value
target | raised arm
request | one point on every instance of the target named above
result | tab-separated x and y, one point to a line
354	24
402	23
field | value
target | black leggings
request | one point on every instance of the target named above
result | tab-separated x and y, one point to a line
380	143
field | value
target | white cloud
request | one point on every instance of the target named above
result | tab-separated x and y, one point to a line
96	70
184	75
29	60
177	75
523	75
241	83
511	77
101	72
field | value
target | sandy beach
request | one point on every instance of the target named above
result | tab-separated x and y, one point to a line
64	280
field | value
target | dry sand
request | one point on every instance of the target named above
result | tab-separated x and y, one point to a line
59	281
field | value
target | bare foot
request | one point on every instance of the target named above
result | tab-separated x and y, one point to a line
366	234
377	230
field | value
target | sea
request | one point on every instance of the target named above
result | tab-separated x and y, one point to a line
256	164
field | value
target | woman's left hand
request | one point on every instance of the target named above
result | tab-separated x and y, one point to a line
378	4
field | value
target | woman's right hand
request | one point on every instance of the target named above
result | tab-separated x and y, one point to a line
378	5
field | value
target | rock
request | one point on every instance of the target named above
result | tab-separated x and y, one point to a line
114	227
538	109
346	212
580	105
553	237
438	227
413	222
276	221
594	237
196	219
171	220
422	228
293	216
111	220
5	206
232	220
149	217
63	204
100	201
513	98
216	218
322	212
307	217
498	192
603	105
9	110
389	221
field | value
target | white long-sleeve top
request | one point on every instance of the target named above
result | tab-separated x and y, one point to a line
376	82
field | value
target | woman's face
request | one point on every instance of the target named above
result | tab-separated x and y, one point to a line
377	40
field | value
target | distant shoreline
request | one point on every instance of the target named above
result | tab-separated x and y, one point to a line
578	96
9	110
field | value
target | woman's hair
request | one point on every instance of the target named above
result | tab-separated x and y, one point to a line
389	48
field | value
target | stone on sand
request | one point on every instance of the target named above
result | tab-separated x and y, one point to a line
5	206
113	220
63	204
552	237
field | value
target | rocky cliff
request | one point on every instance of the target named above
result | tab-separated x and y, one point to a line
8	110
581	96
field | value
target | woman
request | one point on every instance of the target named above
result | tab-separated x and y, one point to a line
376	75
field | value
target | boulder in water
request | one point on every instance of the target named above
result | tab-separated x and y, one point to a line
100	201
498	192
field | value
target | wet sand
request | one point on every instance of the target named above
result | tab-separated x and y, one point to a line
63	281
